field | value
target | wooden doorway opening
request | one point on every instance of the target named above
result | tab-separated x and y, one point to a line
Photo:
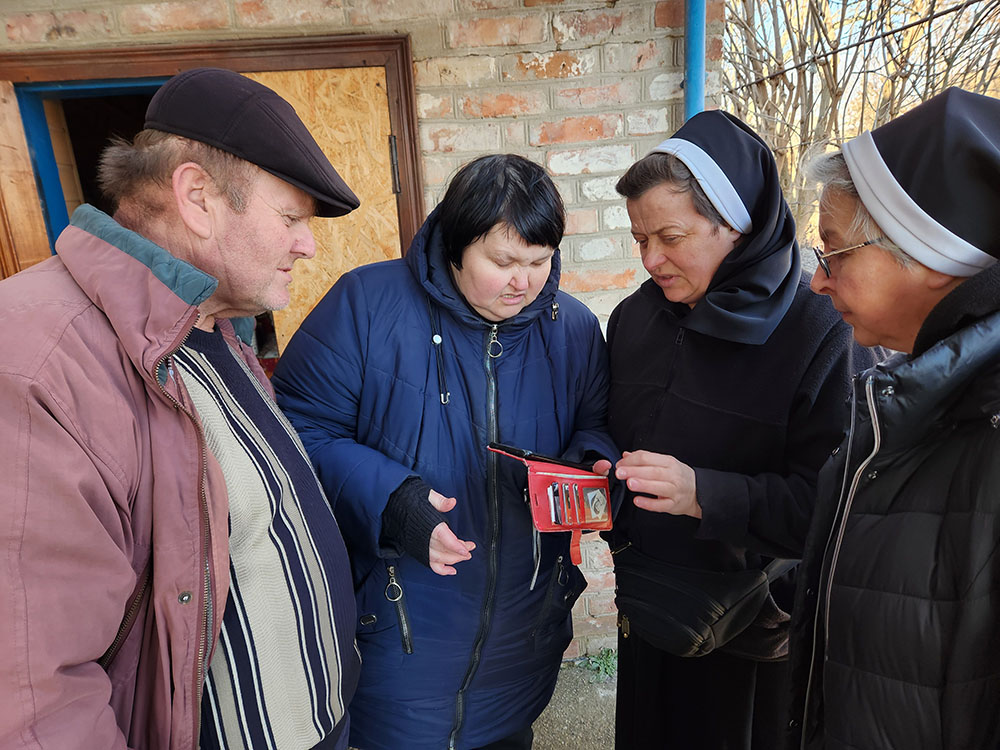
354	93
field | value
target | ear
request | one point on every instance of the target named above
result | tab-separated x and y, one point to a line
194	198
732	235
941	282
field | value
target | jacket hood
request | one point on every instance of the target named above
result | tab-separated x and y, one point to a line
427	262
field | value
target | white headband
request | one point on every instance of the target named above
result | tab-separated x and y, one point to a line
903	221
713	181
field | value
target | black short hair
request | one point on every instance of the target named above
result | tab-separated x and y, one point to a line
500	189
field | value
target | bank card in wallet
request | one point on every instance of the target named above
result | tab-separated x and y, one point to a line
562	495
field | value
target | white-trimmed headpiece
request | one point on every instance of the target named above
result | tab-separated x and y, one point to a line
713	181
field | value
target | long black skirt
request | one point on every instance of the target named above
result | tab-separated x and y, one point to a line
713	702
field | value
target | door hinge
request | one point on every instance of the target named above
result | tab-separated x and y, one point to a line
394	157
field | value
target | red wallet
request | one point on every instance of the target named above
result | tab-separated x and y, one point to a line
562	495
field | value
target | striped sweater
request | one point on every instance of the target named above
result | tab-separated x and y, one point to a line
285	665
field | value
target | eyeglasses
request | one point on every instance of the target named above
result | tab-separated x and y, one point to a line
821	256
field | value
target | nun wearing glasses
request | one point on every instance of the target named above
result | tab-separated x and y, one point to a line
729	381
896	639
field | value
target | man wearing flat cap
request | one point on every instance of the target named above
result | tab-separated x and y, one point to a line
172	575
895	642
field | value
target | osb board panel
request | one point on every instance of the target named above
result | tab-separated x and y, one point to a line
347	111
23	239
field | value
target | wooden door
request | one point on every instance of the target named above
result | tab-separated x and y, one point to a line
347	112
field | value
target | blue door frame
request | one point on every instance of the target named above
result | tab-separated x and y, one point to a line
30	99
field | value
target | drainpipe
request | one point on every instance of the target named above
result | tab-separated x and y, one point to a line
694	57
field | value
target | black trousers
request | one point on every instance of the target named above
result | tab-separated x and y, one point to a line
713	702
518	741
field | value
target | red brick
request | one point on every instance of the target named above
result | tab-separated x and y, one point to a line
573	650
586	97
714	51
193	15
600	625
600	189
648	121
52	27
608	158
669	14
450	138
599	556
596	26
581	221
455	71
371	12
667	86
464	5
503	105
594	281
576	130
594	644
438	170
430	106
496	32
513	134
598	248
561	64
600	580
633	58
287	12
602	604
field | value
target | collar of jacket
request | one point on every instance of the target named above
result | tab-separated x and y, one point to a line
150	297
426	261
974	298
941	386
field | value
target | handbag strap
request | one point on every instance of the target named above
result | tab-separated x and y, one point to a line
574	547
777	568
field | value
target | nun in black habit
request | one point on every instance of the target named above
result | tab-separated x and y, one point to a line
895	640
728	387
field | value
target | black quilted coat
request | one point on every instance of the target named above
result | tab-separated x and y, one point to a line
896	639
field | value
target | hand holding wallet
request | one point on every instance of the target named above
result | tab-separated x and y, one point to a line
562	495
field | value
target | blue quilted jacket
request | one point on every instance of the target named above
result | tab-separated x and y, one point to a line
448	661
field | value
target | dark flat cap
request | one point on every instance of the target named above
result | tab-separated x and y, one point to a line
235	114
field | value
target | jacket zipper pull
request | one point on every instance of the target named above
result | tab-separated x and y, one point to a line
622	548
394	593
493	347
555	310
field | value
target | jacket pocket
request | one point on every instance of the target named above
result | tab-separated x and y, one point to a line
566	583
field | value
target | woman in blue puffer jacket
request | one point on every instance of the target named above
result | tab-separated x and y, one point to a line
397	382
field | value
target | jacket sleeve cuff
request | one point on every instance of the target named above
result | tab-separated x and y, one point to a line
725	505
408	521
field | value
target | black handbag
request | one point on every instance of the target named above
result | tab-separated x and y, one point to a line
686	611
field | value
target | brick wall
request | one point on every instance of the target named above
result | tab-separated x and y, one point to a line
584	88
594	616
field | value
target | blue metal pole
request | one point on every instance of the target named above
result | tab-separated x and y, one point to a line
694	58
